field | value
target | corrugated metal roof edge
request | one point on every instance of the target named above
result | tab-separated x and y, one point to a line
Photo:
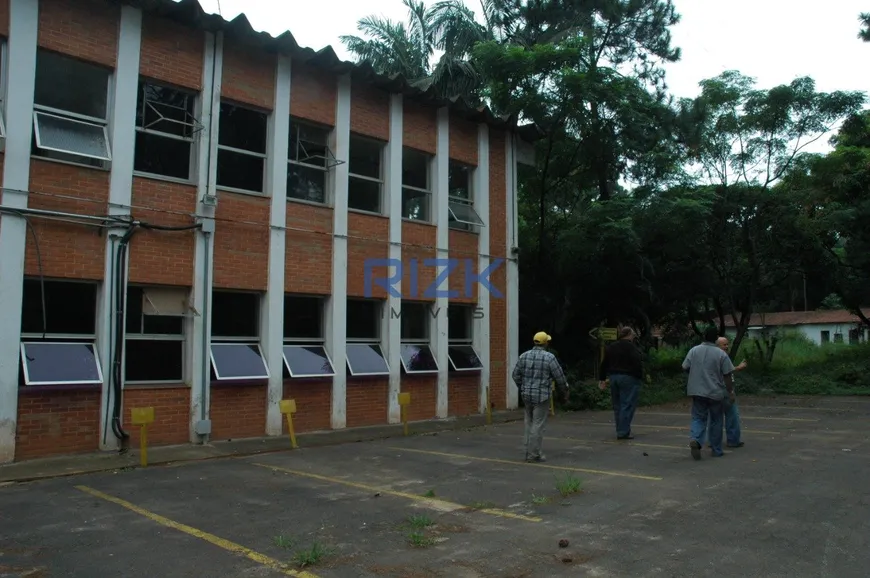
190	13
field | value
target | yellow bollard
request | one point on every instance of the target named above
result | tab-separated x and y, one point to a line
488	408
142	416
404	402
288	408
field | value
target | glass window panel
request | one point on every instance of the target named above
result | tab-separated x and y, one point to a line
238	361
308	144
71	136
365	158
240	171
303	317
159	155
418	359
152	360
458	322
463	357
307	361
69	84
235	314
306	183
164	109
364	195
242	128
415	169
415	320
459	180
60	363
70	307
363	319
463	213
366	359
415	204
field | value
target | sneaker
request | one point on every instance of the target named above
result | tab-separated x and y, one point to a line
737	445
536	460
628	437
696	449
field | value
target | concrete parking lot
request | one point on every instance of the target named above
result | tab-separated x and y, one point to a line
793	502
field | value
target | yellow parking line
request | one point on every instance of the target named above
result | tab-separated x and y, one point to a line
616	443
211	538
435	503
535	464
683	428
651	413
797	408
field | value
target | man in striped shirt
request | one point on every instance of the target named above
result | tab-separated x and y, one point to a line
533	374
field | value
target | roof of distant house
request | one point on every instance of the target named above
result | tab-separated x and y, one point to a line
791	318
191	14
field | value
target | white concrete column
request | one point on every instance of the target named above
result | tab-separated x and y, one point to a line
512	274
198	327
393	187
336	318
21	72
481	203
122	137
276	183
442	240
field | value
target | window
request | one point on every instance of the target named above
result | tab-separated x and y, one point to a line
57	341
416	354
364	353
460	204
241	162
826	336
154	344
854	336
235	331
70	103
165	129
366	180
416	188
460	351
304	352
838	337
310	160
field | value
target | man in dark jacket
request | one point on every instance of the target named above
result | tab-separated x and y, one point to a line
623	366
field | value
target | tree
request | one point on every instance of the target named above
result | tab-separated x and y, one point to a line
864	33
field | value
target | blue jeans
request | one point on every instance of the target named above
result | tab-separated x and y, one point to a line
732	423
624	390
703	409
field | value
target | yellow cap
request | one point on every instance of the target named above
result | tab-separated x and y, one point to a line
541	338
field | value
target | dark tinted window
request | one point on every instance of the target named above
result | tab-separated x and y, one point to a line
463	357
152	360
303	317
363	319
418	359
70	307
235	314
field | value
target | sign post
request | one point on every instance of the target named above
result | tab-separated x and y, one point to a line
404	402
288	408
143	417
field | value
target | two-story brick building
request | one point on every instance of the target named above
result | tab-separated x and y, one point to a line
188	207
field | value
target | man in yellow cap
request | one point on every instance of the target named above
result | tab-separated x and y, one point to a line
535	370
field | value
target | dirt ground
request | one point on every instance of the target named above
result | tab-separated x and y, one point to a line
793	502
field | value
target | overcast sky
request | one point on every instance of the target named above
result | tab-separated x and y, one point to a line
771	40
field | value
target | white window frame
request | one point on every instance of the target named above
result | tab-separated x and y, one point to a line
264	156
153	337
369	341
456	223
467	341
428	190
380	180
308	342
192	140
328	161
103	123
73	340
4	77
240	340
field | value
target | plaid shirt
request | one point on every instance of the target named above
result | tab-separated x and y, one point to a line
533	373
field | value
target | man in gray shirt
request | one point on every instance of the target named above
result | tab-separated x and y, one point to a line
709	383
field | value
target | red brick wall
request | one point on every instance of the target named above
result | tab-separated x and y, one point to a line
312	94
162	256
308	256
313	404
375	233
87	29
497	239
248	76
241	242
463	245
418	242
56	422
171	52
171	414
4	17
367	401
419	127
463	141
370	111
237	411
424	391
463	394
67	250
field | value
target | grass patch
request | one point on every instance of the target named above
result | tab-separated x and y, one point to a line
568	484
429	494
311	556
285	542
540	500
419	521
418	539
